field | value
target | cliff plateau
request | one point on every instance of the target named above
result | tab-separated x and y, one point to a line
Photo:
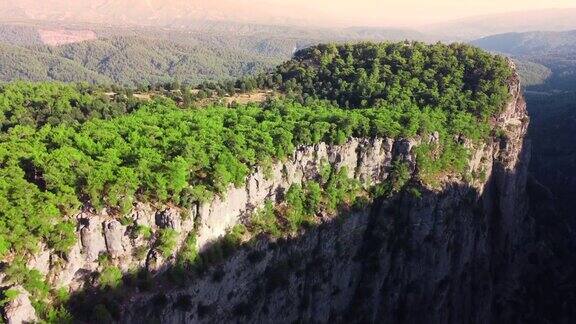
415	242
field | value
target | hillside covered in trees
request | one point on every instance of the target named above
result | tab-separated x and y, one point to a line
68	146
128	61
211	51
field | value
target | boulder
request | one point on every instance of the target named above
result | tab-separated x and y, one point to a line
113	232
143	215
93	242
20	309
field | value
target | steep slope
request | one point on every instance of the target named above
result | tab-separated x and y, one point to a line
551	103
223	214
434	255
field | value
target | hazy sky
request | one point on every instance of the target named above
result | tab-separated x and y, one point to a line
400	13
403	12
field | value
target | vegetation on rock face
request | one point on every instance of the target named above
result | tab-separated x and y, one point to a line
167	241
64	146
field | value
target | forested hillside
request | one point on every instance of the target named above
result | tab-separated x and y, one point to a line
142	56
554	50
538	43
64	147
128	61
19	63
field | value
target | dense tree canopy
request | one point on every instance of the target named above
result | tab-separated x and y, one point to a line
37	104
454	77
63	146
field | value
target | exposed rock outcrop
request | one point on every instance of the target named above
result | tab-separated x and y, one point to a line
91	236
169	218
368	160
113	232
20	310
448	255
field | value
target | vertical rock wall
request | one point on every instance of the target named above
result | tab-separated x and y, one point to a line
449	255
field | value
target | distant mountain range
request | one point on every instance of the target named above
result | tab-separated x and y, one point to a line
37	50
238	17
524	21
530	43
554	50
144	55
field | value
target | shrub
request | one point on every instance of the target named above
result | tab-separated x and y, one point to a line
111	277
144	232
8	296
100	314
62	237
166	241
233	239
189	255
400	174
265	221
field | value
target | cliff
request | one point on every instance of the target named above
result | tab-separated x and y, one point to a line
451	253
454	254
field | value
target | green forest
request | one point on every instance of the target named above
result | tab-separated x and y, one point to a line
64	146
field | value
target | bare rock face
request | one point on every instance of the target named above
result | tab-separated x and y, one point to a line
20	310
143	215
41	262
266	283
92	237
375	158
156	262
113	233
346	156
220	215
452	254
169	218
69	274
403	149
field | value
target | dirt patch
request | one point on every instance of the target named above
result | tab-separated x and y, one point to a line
245	98
56	37
142	96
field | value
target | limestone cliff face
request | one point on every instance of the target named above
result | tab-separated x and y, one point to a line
100	233
453	256
444	255
450	255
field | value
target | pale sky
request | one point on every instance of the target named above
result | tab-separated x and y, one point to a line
405	13
402	12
